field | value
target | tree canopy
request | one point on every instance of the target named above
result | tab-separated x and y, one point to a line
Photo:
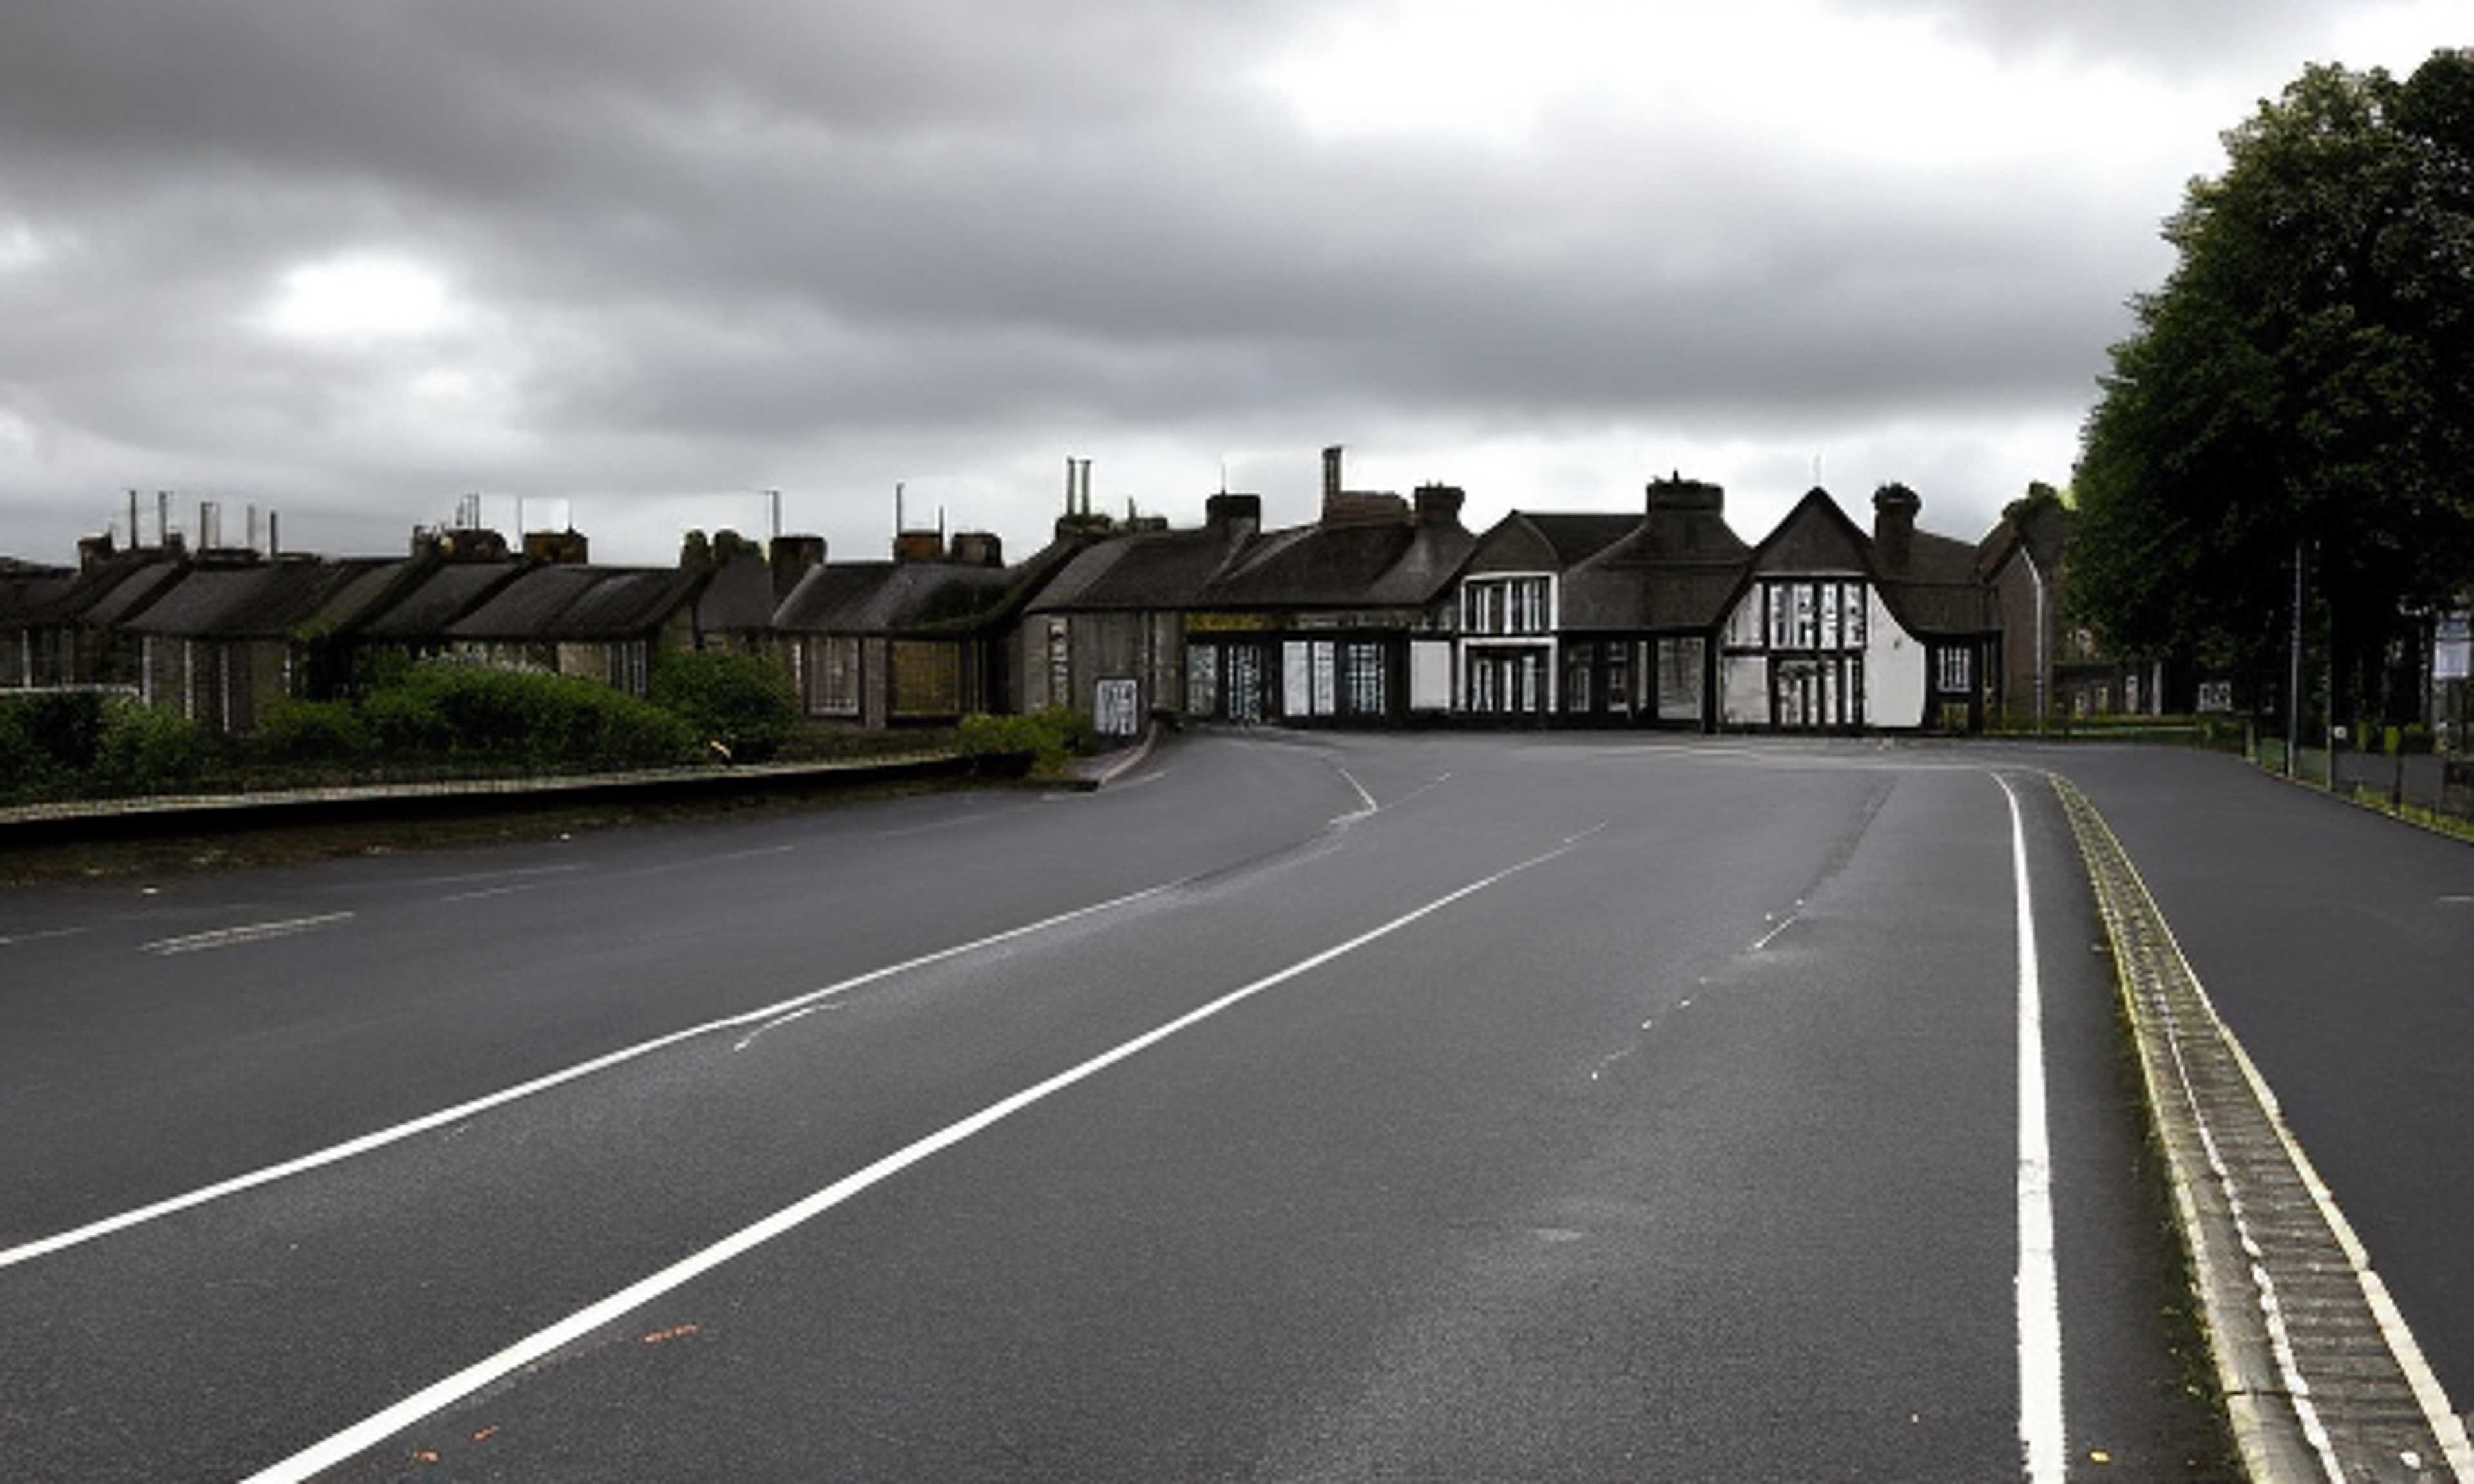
2305	376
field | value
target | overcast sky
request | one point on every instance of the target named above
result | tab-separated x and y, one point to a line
637	259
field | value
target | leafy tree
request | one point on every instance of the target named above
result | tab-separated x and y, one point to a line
2304	377
741	701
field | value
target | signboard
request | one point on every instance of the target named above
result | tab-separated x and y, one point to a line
1228	623
1117	708
2216	697
2452	653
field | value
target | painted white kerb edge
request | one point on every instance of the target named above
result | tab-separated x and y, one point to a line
381	1425
382	1137
2041	1441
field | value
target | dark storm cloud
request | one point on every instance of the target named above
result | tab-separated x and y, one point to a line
730	238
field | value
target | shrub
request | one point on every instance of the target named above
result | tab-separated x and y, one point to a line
742	702
141	749
313	732
27	769
1047	737
67	725
538	719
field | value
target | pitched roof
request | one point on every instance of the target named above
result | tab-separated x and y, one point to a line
1147	569
1935	591
1345	565
894	597
739	596
1577	537
436	600
252	600
1675	569
107	592
547	604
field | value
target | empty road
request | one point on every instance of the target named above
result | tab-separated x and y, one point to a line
1451	1107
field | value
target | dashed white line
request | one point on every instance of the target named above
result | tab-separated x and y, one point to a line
247	933
1786	922
2043	1444
382	1137
497	891
383	1424
13	940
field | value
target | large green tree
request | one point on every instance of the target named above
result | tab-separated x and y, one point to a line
2304	378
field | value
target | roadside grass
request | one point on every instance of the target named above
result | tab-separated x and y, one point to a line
2433	820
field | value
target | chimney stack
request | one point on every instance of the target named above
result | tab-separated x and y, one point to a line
793	557
1437	505
164	518
1236	517
977	548
133	542
274	542
1331	473
1894	524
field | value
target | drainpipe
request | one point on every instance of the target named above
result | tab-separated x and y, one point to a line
2041	683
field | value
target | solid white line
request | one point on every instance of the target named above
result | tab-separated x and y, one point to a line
381	1138
247	933
497	891
380	1426
2041	1441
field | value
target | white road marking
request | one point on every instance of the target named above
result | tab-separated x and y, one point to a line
1437	781
1153	777
972	818
383	1424
247	933
749	1039
38	937
1765	940
469	875
497	891
382	1137
2041	1441
1371	805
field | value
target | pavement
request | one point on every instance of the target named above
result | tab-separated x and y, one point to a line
1294	1106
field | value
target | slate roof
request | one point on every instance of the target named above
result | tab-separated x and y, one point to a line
739	598
438	599
26	589
1676	569
1150	569
1936	590
893	597
1347	565
255	600
559	602
1577	537
106	592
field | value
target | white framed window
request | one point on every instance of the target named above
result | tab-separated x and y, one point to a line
1954	672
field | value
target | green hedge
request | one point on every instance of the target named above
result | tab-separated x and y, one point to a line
742	703
1047	737
537	719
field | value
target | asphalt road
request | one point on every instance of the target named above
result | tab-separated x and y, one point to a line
2339	947
1451	1107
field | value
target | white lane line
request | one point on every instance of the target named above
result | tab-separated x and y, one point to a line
381	1138
499	891
1153	777
247	933
1765	939
467	876
2041	1441
1437	781
1371	804
380	1426
971	818
13	941
749	1039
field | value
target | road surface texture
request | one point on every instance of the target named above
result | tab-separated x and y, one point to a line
1449	1107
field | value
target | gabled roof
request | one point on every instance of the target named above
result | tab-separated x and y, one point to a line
106	592
1147	569
893	597
1393	564
1934	590
26	589
551	604
1677	569
740	597
1530	540
437	599
252	600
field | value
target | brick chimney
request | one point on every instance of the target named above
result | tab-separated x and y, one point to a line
1331	473
558	548
918	546
1894	524
792	557
1437	505
1236	517
976	549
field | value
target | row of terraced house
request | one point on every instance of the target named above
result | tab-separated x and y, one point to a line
1384	611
